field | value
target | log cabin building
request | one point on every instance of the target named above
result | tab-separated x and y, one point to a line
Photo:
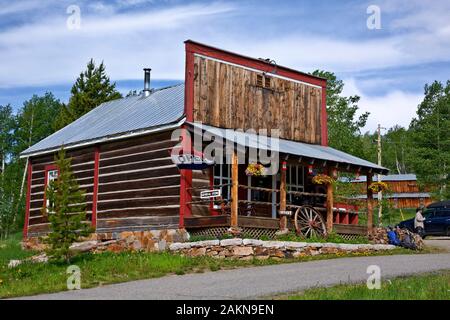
121	152
403	191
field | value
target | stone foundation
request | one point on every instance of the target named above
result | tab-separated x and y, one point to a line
151	240
251	248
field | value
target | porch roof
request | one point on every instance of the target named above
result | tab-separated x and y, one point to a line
300	149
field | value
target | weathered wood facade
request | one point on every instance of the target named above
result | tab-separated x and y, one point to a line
230	96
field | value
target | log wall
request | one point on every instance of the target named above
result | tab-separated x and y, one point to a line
230	96
138	185
83	169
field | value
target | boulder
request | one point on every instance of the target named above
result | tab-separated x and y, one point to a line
231	242
242	251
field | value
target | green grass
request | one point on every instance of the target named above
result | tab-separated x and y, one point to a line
432	286
105	268
11	249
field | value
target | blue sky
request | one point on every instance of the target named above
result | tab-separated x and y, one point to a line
387	67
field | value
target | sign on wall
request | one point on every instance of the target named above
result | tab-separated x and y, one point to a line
208	194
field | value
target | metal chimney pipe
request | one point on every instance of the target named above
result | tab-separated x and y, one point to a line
147	82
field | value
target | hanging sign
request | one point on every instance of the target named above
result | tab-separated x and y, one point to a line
190	161
208	194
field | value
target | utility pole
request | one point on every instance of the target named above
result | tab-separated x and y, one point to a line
380	194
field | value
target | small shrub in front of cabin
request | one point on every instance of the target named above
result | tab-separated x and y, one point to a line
66	211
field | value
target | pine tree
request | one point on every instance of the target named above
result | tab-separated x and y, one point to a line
66	211
91	89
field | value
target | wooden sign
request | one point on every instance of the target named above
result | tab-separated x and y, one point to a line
208	194
191	161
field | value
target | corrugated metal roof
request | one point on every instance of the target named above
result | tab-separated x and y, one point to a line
413	195
291	147
391	177
118	117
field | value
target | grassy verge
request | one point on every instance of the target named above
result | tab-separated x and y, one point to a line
106	268
10	249
432	286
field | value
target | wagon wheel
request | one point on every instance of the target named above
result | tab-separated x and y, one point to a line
309	222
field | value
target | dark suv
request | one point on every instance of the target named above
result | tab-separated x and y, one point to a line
437	220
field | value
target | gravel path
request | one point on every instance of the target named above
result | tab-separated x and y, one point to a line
250	283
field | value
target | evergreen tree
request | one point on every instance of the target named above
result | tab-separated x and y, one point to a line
344	127
66	211
431	139
91	89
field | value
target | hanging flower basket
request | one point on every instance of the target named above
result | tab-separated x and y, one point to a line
378	187
322	179
255	169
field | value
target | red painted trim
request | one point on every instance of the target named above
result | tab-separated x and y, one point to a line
216	53
185	182
28	200
95	192
189	85
324	120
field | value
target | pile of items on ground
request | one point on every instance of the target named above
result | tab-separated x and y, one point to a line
398	237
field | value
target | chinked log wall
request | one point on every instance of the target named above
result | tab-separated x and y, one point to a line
138	185
83	169
230	96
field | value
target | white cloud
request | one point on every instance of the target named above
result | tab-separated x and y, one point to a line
393	108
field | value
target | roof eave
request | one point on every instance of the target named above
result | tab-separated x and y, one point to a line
104	139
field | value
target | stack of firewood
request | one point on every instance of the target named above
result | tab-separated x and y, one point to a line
379	236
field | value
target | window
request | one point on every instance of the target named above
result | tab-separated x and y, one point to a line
295	181
259	80
51	174
267	82
263	81
222	175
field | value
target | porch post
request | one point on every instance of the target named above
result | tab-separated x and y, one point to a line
330	205
234	228
283	218
369	204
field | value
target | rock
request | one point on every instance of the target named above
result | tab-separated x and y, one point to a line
14	263
41	258
295	245
195	252
315	245
252	242
206	243
126	234
383	247
162	245
261	251
84	246
274	244
179	246
242	251
348	247
231	242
